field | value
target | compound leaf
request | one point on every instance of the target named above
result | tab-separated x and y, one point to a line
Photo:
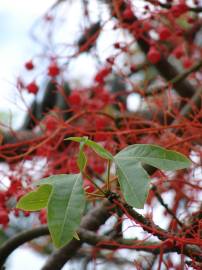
65	206
133	179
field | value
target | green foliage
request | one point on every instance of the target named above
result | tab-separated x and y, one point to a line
134	182
65	206
133	179
155	156
101	151
63	195
35	200
81	160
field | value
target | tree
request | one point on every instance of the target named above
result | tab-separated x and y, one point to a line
156	56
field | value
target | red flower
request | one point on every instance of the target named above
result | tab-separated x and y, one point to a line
187	62
100	123
153	55
164	33
178	10
50	122
32	88
53	70
100	76
128	13
29	65
178	52
74	99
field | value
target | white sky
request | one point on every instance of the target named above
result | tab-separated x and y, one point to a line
16	19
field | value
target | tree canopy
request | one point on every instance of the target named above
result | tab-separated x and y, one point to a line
108	158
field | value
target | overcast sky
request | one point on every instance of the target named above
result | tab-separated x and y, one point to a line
16	20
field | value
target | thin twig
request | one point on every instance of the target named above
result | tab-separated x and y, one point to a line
160	199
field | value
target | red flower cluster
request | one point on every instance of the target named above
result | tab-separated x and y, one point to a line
32	88
153	55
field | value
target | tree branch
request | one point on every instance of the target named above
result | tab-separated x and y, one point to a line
100	241
165	68
190	250
11	244
92	221
161	201
168	6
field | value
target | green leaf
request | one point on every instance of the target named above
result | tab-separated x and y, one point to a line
134	182
35	200
156	156
76	236
101	151
83	142
133	179
65	206
81	160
